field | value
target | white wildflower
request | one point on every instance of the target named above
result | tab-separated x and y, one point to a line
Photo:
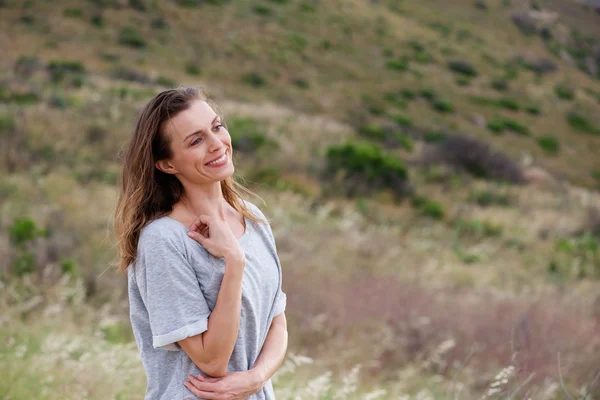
375	394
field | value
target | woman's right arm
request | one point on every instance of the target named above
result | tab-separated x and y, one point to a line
212	349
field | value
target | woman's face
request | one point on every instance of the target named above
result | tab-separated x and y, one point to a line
200	145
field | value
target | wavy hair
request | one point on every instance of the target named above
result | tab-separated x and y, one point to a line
146	193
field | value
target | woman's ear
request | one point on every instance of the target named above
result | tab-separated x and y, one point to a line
166	167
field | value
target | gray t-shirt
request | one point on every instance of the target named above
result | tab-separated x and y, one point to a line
173	287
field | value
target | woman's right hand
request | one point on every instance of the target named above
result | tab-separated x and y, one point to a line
216	237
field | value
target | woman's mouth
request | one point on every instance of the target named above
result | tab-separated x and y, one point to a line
219	162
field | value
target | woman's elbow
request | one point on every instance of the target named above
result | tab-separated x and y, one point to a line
215	369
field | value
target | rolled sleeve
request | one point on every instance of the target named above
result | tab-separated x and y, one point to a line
176	306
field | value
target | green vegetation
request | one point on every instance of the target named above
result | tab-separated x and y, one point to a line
463	67
366	164
129	36
581	124
549	144
564	91
428	208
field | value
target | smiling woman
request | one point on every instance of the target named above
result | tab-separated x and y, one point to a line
203	272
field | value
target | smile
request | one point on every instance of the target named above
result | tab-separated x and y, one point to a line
218	161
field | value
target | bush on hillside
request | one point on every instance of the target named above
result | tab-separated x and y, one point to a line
549	144
364	167
500	85
128	74
533	110
475	157
129	36
26	66
247	137
463	67
428	208
487	198
59	69
580	123
443	106
564	91
254	79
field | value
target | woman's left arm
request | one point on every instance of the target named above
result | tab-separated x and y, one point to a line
241	384
273	351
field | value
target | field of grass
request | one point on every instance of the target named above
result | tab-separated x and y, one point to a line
439	164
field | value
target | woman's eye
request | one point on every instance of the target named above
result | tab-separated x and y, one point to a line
196	141
218	127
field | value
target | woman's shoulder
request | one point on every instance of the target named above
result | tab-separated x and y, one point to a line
162	228
255	210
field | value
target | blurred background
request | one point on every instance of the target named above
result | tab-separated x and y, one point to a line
431	169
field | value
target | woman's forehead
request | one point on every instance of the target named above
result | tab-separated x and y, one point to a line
197	117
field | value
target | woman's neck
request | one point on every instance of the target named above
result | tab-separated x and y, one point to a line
201	200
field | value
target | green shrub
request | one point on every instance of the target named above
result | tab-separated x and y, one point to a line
564	92
68	266
192	69
138	5
97	20
433	136
509	104
396	99
516	127
486	198
405	142
428	208
533	110
254	79
500	85
582	124
463	81
578	256
372	131
462	67
262	10
549	144
465	256
72	12
164	81
7	122
129	36
476	228
400	64
481	5
422	57
23	98
366	167
59	69
22	231
247	137
24	263
428	94
443	106
402	120
496	125
408	94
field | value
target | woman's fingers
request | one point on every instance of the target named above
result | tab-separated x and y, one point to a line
199	388
198	237
200	223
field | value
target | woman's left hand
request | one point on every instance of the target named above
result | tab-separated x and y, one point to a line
236	385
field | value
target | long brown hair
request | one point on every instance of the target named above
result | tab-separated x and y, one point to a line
148	193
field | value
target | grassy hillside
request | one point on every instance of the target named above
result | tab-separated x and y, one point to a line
438	161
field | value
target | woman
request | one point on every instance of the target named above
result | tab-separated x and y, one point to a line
204	278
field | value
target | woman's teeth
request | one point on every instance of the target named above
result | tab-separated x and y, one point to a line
219	160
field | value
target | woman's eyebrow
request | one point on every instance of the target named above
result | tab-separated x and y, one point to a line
201	130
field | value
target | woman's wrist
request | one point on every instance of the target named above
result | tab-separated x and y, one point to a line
238	257
258	378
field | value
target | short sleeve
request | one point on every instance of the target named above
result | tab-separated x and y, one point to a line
176	306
